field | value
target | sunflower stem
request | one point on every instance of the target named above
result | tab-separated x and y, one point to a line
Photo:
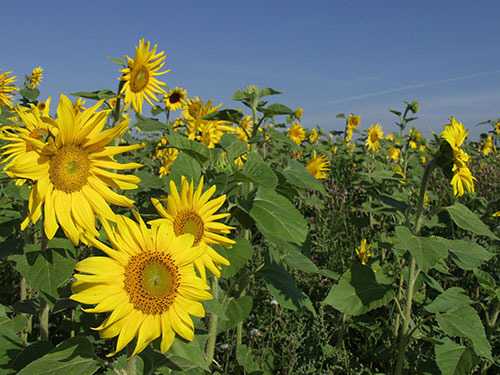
212	328
44	306
131	361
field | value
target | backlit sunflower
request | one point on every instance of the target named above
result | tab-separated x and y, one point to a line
140	77
317	166
6	88
353	122
70	170
147	281
296	133
175	99
36	77
374	134
193	212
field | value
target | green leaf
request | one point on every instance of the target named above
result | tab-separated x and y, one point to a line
275	214
397	204
10	343
194	149
257	171
31	94
46	271
397	113
427	251
29	354
230	115
454	359
269	91
358	292
147	124
118	61
10	247
486	281
275	110
94	95
187	166
298	175
149	181
340	115
237	148
275	135
74	356
282	285
106	94
238	255
463	321
449	299
245	358
235	311
184	354
466	219
238	95
467	254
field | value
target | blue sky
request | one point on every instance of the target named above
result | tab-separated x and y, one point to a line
328	57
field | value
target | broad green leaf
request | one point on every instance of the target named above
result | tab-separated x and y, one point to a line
47	270
467	220
238	255
427	251
397	204
257	171
235	311
467	254
10	343
116	60
31	94
282	285
358	292
463	321
449	299
237	148
275	110
298	175
231	115
238	95
454	359
185	165
189	353
245	358
195	149
147	124
275	135
30	353
12	246
94	95
149	181
275	214
269	91
486	281
74	356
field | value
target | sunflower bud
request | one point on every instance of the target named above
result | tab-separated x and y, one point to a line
414	106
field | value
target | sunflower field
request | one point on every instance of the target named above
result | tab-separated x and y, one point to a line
148	231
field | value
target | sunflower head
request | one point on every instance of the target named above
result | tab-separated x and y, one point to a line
193	212
318	165
175	99
139	77
375	133
147	282
6	88
36	77
297	133
353	121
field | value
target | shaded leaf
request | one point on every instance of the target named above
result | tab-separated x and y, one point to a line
235	311
238	255
466	219
298	175
454	359
467	254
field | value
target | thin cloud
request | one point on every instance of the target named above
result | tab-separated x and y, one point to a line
425	84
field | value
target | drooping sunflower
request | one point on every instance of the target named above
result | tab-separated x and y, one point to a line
296	133
148	282
70	170
6	88
140	77
193	212
175	99
374	134
36	77
318	165
353	122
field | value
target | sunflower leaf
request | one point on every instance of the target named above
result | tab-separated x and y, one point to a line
298	175
467	220
453	358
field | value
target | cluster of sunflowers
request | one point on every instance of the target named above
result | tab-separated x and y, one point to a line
147	280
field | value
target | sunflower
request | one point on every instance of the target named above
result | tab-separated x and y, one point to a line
147	281
313	136
168	160
497	127
6	88
487	147
245	129
175	99
69	170
193	212
363	252
353	122
317	166
139	77
374	134
454	134
78	106
298	113
36	77
296	133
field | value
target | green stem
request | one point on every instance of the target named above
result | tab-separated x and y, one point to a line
131	361
44	306
212	328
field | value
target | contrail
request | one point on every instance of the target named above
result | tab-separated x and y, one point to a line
388	91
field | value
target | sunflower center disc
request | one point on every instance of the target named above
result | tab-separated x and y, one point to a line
374	137
139	79
151	281
174	98
69	168
188	221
